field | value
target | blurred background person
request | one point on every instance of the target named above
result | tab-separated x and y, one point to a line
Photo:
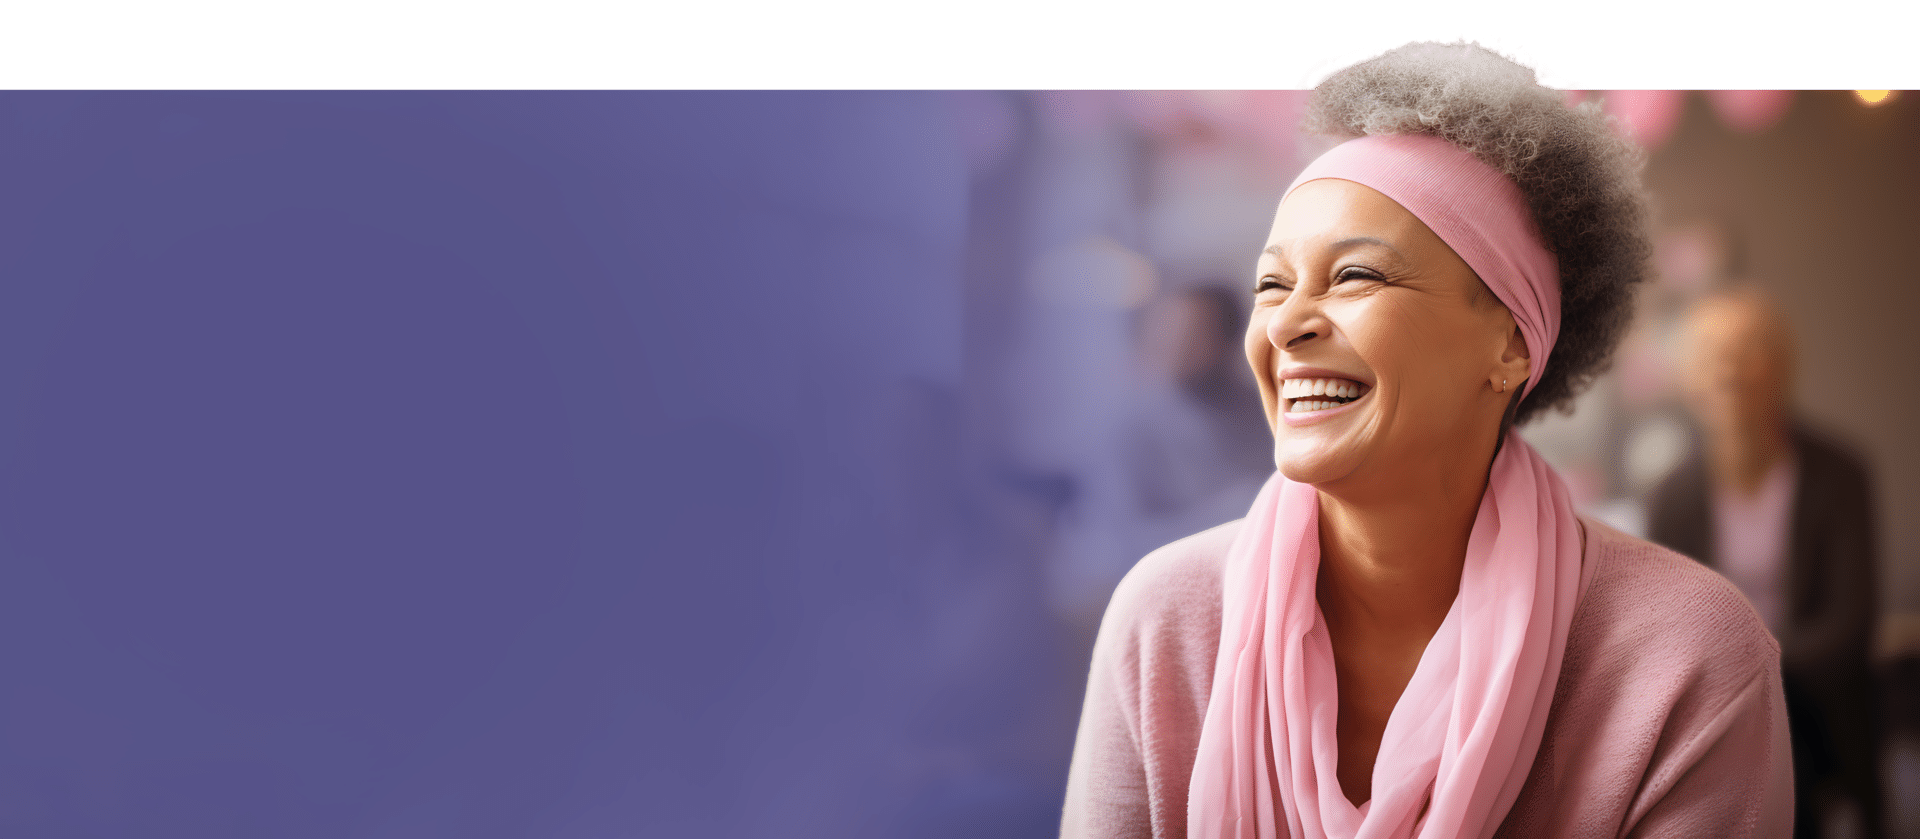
1788	517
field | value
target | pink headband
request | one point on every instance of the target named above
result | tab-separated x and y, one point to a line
1473	208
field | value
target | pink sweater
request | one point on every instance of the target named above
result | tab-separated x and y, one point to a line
1667	720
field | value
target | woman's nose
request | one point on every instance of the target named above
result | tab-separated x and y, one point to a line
1298	321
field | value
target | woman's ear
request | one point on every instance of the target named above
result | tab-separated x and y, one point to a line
1514	363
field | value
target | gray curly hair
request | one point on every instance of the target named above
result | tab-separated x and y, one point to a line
1581	179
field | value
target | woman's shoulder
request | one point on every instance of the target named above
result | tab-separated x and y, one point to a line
1668	710
1170	601
1178	577
1648	612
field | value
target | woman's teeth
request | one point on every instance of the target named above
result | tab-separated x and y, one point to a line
1300	391
1296	388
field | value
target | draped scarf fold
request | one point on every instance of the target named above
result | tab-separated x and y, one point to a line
1461	740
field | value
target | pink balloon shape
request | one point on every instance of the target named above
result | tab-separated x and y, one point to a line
1649	115
1750	111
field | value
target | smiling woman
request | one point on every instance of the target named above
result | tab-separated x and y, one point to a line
1411	633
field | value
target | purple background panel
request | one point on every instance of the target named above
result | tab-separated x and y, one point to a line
491	464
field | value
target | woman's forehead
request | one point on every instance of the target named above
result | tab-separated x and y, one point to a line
1332	213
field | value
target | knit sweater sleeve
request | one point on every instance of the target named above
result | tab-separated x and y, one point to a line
1681	691
1732	776
1107	784
1720	763
1147	694
1669	720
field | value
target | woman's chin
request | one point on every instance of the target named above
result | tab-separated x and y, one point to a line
1310	461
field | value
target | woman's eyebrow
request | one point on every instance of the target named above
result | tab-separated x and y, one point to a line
1279	251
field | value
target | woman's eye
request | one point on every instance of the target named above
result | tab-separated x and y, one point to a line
1355	272
1269	283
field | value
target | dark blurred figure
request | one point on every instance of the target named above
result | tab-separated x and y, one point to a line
1788	517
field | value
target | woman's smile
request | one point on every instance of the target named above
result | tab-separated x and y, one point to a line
1311	396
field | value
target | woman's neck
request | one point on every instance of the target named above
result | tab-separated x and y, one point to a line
1391	565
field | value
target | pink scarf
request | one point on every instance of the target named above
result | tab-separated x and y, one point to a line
1462	738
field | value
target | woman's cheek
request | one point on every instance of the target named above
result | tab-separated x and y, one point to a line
1260	352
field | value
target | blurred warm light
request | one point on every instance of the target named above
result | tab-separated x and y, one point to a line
1875	97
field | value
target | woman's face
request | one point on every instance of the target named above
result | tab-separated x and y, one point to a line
1378	351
